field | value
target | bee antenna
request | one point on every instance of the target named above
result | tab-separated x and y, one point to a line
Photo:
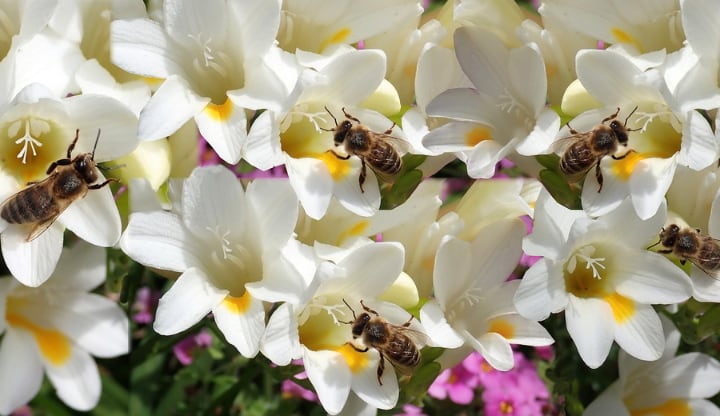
351	309
336	124
95	145
658	242
631	113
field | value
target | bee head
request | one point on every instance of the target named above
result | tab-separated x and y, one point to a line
85	166
359	325
669	235
621	132
341	131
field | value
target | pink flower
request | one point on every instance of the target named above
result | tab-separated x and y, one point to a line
185	349
411	410
457	383
290	388
144	306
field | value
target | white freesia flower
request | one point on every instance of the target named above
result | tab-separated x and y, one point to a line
56	329
701	79
217	60
505	112
666	135
221	238
320	26
672	385
38	128
638	26
600	273
312	329
474	301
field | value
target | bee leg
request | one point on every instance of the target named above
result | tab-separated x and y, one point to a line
346	157
368	309
598	175
363	174
381	369
683	261
100	185
612	116
623	156
407	324
60	162
572	130
349	116
72	145
356	348
388	131
665	251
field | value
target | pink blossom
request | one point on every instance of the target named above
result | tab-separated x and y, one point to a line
144	306
185	349
457	383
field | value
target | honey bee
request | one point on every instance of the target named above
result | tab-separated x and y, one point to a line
397	343
581	150
690	245
41	203
378	150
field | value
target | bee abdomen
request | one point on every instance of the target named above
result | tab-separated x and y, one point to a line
577	159
710	253
384	158
404	352
30	205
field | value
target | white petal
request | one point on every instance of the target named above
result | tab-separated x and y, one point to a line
269	82
140	46
329	374
542	136
699	147
437	71
281	342
484	157
242	329
225	130
703	408
614	191
348	193
183	19
21	371
590	326
287	275
262	146
450	137
551	227
705	288
77	381
189	299
527	332
275	206
638	233
451	272
649	182
258	21
365	67
649	278
437	327
31	262
493	261
689	375
366	386
528	83
699	20
94	218
213	197
462	104
82	267
641	335
116	123
483	58
94	323
541	291
495	349
608	403
377	265
159	239
156	122
312	183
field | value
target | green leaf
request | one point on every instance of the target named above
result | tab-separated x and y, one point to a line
550	162
401	190
560	190
411	161
421	380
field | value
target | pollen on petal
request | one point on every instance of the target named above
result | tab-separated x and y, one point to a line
337	37
672	407
338	168
53	344
622	36
477	135
237	305
220	112
622	307
355	230
624	167
356	360
502	327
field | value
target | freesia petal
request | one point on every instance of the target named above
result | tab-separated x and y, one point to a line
259	20
189	299
262	146
614	191
32	262
140	46
450	137
551	227
590	327
348	193
21	371
483	58
527	332
528	82
649	183
280	342
699	20
705	288
462	104
270	82
365	385
156	122
649	278
639	232
186	18
437	327
688	375
540	294
495	259
159	239
365	67
608	403
94	218
94	323
542	136
82	267
495	349
276	209
701	407
225	130
452	270
699	147
242	328
329	374
211	196
312	183
77	381
641	334
381	263
287	275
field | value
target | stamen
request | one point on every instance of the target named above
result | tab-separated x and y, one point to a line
27	140
593	263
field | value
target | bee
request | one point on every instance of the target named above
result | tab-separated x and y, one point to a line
691	245
581	150
378	150
41	203
397	343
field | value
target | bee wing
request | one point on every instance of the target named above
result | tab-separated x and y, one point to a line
712	257
40	227
560	146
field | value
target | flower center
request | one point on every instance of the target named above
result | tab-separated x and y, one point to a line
214	72
30	148
320	327
231	264
469	299
587	281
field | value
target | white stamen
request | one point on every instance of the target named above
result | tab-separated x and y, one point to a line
594	263
27	140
